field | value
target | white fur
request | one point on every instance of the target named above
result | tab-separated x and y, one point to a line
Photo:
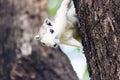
63	26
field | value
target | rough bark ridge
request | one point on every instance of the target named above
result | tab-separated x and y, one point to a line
22	58
100	31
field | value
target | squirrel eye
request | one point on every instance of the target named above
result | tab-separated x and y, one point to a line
52	31
48	23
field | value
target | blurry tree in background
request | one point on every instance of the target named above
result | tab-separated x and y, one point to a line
22	58
100	31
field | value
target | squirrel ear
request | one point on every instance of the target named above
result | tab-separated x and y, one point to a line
48	22
37	37
46	19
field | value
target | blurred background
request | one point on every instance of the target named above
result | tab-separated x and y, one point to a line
23	58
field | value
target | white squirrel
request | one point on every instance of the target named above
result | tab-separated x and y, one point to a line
61	29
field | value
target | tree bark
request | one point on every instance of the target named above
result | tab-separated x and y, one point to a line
99	22
22	58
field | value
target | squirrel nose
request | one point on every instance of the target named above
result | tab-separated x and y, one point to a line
37	37
55	45
43	43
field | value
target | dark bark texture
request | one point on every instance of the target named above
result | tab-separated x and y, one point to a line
22	58
99	22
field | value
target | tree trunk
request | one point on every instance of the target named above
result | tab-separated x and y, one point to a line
22	58
99	22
